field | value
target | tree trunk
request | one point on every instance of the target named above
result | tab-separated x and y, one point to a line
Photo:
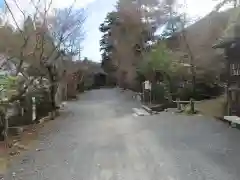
169	86
52	91
192	64
59	96
52	100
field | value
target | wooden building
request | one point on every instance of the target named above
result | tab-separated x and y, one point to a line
232	61
230	43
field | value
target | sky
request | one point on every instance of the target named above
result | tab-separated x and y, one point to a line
97	10
96	13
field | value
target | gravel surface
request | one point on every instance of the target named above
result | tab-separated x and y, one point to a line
98	138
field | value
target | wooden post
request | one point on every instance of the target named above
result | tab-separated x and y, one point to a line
229	103
150	96
6	140
229	97
192	106
143	93
178	104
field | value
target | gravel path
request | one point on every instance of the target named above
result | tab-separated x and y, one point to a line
98	138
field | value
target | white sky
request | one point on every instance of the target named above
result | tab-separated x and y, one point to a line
97	10
27	6
201	7
195	9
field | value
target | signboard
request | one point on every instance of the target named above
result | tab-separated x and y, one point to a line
10	111
33	108
147	85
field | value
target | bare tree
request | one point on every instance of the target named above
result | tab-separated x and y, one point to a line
125	37
137	20
55	34
185	41
42	39
222	3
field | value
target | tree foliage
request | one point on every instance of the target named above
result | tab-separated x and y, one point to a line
106	43
44	40
160	60
66	25
8	86
127	32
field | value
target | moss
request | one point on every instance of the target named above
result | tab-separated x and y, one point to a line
188	110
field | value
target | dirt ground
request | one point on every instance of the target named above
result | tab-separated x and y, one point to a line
212	107
17	145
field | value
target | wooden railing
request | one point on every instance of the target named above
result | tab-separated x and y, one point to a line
191	103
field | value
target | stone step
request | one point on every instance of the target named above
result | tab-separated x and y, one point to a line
234	120
140	112
146	108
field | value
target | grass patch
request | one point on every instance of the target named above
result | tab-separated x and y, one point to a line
213	107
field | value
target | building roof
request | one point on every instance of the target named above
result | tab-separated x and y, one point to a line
223	43
231	34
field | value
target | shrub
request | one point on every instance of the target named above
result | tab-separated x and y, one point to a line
158	93
202	91
185	93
